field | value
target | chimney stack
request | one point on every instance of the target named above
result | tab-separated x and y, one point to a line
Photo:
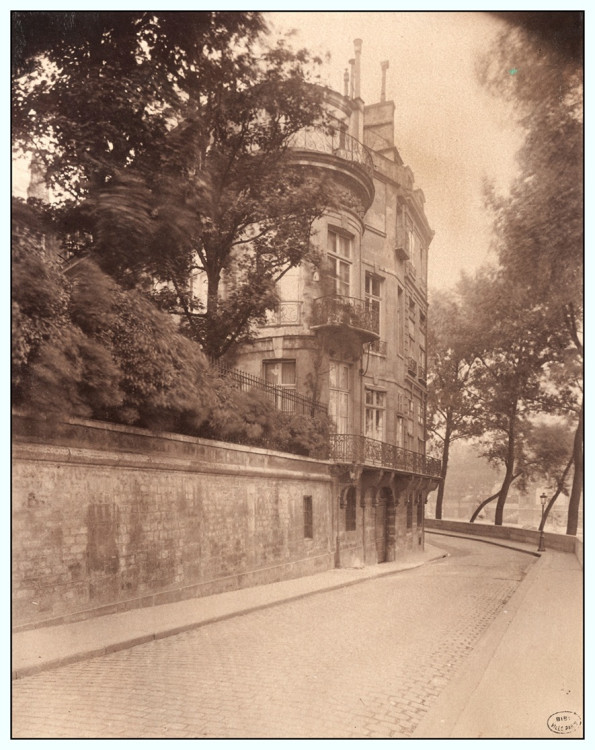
384	67
357	43
346	82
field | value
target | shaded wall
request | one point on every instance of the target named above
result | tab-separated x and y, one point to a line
107	518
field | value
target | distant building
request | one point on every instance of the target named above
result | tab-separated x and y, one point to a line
352	333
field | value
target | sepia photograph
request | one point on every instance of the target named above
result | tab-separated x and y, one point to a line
297	411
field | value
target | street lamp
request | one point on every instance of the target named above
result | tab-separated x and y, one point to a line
543	498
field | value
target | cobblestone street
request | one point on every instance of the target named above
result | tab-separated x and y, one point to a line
364	661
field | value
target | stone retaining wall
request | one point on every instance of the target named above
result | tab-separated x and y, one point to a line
107	518
560	542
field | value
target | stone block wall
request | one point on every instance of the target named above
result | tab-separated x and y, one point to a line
559	542
106	518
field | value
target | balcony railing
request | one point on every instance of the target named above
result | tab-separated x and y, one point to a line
336	311
411	366
421	374
358	449
336	143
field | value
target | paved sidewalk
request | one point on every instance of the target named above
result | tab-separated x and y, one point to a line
36	650
526	672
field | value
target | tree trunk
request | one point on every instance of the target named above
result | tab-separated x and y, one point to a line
577	479
509	463
212	339
555	496
483	503
502	496
445	452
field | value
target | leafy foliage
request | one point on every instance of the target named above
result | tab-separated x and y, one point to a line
249	417
539	225
83	346
514	342
451	404
167	137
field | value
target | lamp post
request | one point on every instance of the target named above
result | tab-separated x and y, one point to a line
543	498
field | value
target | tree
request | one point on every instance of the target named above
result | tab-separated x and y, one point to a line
551	458
451	406
168	139
83	346
539	225
514	341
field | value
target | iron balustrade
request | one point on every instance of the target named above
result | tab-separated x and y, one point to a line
421	373
337	143
337	310
357	449
284	399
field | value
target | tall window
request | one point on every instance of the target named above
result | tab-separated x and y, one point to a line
375	408
411	415
400	432
308	518
373	294
339	396
340	250
281	373
401	318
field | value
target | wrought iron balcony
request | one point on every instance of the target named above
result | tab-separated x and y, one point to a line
349	449
338	144
421	373
336	311
411	366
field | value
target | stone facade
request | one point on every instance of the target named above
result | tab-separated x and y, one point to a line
351	332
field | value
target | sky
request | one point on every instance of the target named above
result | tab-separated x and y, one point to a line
448	130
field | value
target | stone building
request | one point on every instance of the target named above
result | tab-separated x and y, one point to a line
352	332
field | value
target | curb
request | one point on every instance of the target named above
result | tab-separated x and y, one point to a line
124	644
483	539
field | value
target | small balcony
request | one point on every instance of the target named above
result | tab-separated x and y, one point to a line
411	367
337	311
357	449
421	374
337	143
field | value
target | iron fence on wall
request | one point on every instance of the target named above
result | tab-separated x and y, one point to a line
284	399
